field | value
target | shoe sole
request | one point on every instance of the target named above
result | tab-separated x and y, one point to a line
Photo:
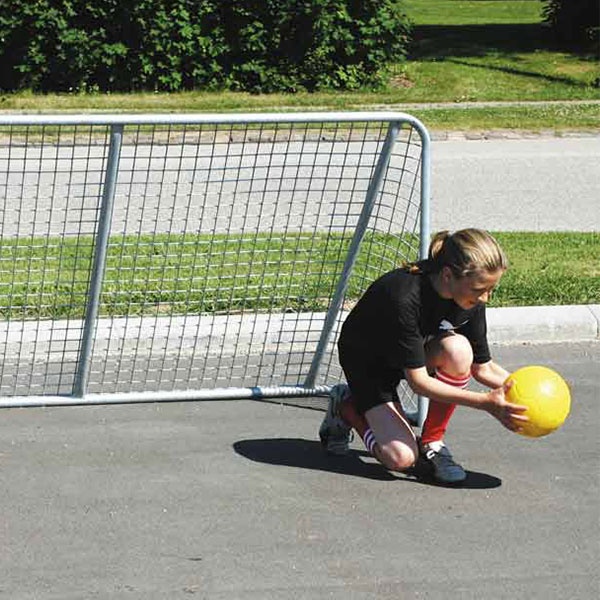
324	437
324	431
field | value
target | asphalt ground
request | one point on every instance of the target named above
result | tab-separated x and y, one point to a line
512	183
235	499
542	183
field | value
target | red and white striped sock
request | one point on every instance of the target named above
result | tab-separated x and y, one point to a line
439	413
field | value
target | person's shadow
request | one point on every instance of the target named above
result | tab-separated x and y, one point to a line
308	454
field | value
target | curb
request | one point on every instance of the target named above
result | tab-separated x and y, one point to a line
539	324
511	325
509	134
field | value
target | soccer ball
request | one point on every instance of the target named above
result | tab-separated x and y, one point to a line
546	395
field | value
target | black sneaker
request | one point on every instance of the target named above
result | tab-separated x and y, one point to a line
440	465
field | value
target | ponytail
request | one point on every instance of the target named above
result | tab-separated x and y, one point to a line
437	244
465	252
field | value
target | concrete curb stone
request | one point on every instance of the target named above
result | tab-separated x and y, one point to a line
511	325
539	324
508	134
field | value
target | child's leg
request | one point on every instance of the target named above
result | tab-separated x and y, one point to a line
450	358
396	445
385	433
373	413
358	422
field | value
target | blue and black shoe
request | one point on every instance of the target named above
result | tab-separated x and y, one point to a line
439	465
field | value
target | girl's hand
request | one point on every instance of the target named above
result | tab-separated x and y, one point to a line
510	415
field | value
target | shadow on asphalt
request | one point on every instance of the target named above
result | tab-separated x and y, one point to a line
308	454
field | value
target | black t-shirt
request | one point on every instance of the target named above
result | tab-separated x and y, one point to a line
397	313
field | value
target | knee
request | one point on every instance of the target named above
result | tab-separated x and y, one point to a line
398	456
457	355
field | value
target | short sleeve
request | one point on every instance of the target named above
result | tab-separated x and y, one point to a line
410	344
475	330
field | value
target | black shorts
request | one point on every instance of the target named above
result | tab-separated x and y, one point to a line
370	383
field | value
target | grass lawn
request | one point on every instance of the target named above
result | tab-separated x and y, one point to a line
550	269
475	12
488	50
175	274
478	51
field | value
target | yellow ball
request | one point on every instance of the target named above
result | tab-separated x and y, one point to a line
546	395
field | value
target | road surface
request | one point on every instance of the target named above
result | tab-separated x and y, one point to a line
541	184
234	500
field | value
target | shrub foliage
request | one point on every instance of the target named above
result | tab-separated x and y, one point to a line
168	45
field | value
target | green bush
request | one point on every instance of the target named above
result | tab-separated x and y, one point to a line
323	44
107	45
575	23
168	45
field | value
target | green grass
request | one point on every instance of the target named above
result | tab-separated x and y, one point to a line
535	118
191	274
550	269
176	274
457	12
492	51
478	51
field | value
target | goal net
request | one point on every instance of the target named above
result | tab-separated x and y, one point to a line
196	256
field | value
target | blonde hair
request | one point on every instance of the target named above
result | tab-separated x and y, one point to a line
465	252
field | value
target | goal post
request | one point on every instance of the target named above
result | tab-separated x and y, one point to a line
181	257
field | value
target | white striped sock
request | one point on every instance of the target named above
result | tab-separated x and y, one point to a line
459	382
369	440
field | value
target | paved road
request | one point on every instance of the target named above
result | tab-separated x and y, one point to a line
541	184
234	500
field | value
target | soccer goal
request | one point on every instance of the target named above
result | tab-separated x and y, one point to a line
175	257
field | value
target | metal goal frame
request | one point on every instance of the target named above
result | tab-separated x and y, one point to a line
357	179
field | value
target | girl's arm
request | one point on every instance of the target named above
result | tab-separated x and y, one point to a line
490	374
493	401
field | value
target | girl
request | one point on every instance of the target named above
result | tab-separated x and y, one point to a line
424	323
